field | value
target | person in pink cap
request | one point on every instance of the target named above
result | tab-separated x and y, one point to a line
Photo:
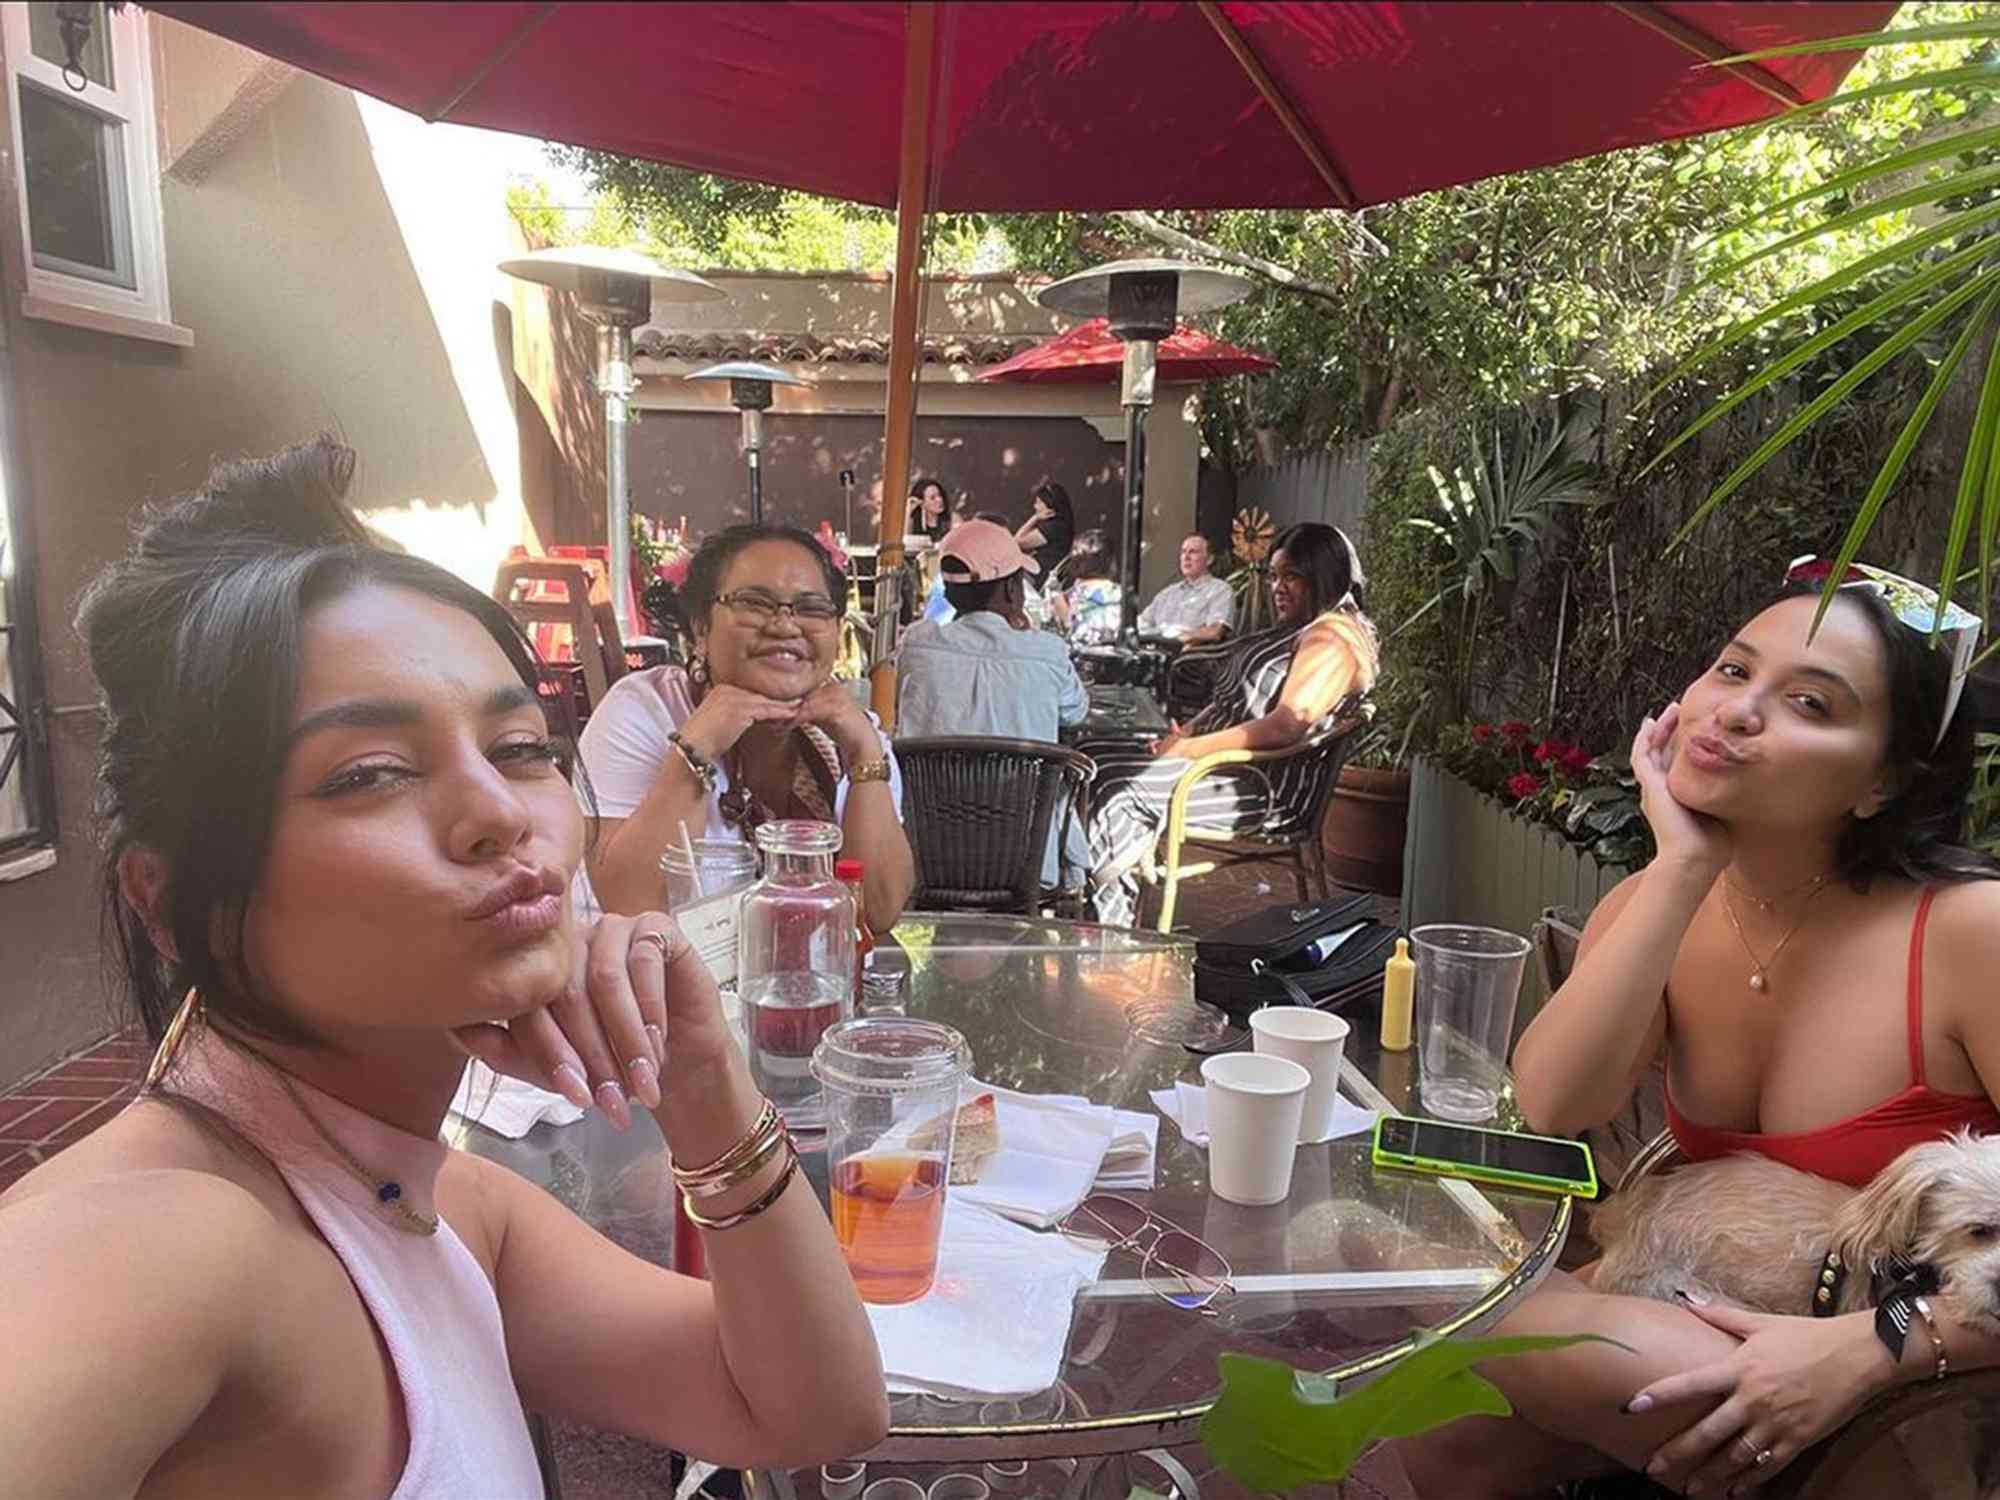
988	670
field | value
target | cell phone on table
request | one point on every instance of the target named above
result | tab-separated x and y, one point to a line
1506	1158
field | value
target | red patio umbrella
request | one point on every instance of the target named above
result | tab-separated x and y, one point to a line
1090	353
1082	105
1086	104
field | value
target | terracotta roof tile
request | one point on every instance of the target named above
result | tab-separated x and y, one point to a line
813	348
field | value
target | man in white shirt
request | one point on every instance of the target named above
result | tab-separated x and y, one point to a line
1196	609
987	670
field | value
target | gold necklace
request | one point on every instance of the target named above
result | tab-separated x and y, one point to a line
388	1192
1760	968
1809	886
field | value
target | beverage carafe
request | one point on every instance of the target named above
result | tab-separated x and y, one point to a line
795	962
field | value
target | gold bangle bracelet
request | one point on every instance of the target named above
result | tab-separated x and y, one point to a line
873	770
746	1145
712	1186
744	1215
1923	1307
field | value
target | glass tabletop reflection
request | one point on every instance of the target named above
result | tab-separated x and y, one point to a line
1337	1278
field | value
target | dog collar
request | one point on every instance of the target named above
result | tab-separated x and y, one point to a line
1894	1273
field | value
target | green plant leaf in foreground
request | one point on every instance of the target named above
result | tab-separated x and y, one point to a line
1276	1428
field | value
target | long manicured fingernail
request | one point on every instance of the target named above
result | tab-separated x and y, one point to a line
571	1084
1692	1299
659	1040
1638	1405
1657	1467
645	1081
611	1099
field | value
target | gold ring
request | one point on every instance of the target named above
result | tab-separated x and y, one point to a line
654	940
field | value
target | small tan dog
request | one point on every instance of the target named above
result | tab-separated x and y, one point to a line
1748	1231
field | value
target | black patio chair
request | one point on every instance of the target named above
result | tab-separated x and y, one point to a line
978	811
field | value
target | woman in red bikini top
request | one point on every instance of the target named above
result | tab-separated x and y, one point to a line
1816	953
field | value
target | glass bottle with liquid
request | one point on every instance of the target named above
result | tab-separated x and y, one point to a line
795	962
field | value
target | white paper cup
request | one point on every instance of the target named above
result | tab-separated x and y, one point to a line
1314	1040
1254	1104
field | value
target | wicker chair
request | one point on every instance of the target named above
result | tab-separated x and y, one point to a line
978	811
1938	1441
1291	833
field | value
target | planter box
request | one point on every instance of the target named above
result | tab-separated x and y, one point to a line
1467	858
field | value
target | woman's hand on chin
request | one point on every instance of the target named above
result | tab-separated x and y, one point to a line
606	1041
725	713
1683	836
832	708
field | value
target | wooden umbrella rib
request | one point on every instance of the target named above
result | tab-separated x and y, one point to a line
491	61
1294	123
1704	46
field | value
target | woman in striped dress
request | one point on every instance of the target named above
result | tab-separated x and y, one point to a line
1276	689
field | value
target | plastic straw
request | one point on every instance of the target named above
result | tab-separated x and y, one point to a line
694	865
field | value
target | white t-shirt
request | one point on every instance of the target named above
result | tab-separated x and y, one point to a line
624	748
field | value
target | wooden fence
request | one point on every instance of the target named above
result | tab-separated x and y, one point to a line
1467	858
1330	485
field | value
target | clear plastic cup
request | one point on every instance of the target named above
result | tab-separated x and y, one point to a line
890	1087
724	865
1468	982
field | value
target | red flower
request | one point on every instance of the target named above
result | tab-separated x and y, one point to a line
1514	731
674	571
1482	734
1576	760
1522	785
1546	752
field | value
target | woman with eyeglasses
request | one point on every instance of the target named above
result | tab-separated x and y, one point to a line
753	728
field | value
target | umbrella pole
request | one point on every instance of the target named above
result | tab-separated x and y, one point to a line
913	182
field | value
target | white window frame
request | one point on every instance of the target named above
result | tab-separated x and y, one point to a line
143	311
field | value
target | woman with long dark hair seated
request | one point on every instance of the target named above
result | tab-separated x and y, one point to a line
1816	953
754	727
1275	689
338	854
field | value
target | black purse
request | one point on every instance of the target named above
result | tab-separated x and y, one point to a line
1326	954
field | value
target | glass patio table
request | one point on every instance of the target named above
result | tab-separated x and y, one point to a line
1337	1278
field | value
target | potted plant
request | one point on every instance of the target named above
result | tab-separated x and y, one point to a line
1368	815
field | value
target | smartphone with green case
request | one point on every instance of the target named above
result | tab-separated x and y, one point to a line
1505	1158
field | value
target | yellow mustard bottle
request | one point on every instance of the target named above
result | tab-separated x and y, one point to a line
1399	982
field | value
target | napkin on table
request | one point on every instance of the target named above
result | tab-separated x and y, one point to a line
997	1320
1186	1104
1051	1148
508	1106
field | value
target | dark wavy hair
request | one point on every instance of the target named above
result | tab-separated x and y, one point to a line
1056	498
196	638
713	557
1917	833
1320	552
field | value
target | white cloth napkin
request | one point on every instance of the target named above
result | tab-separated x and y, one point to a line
508	1106
1130	1160
1051	1148
997	1320
1186	1104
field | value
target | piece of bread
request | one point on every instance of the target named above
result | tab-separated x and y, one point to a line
978	1138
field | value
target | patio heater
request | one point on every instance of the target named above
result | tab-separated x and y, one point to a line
1142	300
750	393
616	291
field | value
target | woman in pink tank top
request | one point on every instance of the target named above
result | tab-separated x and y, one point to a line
340	840
1813	950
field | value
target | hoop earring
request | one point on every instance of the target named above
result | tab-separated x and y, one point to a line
170	1044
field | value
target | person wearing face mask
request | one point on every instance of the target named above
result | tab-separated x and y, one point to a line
1814	951
1195	608
754	728
1274	689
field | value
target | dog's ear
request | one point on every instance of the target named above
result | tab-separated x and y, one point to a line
1886	1215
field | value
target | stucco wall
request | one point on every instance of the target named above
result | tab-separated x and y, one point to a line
335	265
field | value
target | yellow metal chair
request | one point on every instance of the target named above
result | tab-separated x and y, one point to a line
1291	831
